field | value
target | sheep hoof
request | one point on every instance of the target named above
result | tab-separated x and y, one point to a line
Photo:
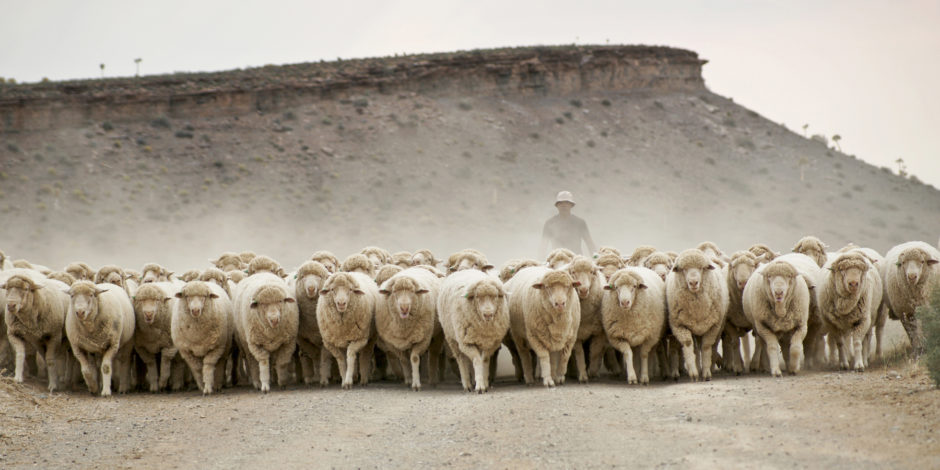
416	388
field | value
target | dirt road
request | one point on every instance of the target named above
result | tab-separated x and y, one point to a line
817	420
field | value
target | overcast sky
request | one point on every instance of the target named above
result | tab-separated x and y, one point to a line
867	70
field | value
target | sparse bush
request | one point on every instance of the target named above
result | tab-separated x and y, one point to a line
183	135
576	103
107	126
560	120
464	106
710	161
568	115
14	148
728	122
161	122
605	102
929	316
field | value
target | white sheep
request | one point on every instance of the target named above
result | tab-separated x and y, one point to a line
153	311
511	267
911	273
202	328
100	321
229	261
633	312
34	317
776	300
559	257
80	271
406	321
737	325
639	254
386	272
266	321
880	314
659	262
474	312
153	272
697	298
467	258
424	256
401	259
591	284
848	291
544	314
359	263
377	256
345	315
260	264
218	277
812	247
305	284
327	259
609	263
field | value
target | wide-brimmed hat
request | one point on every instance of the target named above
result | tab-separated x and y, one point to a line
564	196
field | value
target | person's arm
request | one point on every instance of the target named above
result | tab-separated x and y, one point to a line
544	244
586	234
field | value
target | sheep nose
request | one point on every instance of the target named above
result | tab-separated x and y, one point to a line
625	303
853	285
742	284
912	277
560	305
196	312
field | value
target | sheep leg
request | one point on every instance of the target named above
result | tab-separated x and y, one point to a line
880	331
283	360
746	357
595	355
709	342
435	351
340	356
210	363
579	361
545	363
627	351
684	336
195	366
262	361
326	367
866	345
405	364
416	369
107	368
365	363
309	353
350	363
796	350
88	369
463	364
859	335
53	364
166	366
525	359
758	356
150	361
479	370
19	349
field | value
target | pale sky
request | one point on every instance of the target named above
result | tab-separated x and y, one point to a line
867	70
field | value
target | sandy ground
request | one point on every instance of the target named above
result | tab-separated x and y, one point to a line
883	418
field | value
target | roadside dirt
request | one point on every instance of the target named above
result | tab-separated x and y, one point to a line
883	418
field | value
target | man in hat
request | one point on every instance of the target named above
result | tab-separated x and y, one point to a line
565	230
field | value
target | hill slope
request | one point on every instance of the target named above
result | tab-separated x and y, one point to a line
468	154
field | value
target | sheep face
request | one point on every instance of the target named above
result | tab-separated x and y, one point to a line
20	291
812	247
84	300
115	278
626	286
470	262
229	262
327	260
423	257
741	269
849	271
402	293
340	289
583	272
913	263
691	266
269	302
214	275
77	272
310	285
659	263
190	275
779	279
153	275
555	288
486	298
662	269
194	297
148	300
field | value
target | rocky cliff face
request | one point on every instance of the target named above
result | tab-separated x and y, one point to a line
540	71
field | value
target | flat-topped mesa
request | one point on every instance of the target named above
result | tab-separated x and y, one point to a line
556	70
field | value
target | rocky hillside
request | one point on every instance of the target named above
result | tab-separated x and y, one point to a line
437	151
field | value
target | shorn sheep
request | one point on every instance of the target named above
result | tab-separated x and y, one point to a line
776	301
633	312
474	313
849	291
152	311
202	327
266	321
406	321
544	314
697	299
305	284
591	330
345	315
912	272
100	322
35	310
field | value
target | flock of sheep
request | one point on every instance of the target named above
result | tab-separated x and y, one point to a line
378	315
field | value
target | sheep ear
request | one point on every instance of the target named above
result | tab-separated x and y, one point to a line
324	291
710	267
421	291
486	268
384	292
254	304
289	300
641	286
213	296
576	284
538	286
609	287
179	295
166	299
213	262
358	291
931	262
98	292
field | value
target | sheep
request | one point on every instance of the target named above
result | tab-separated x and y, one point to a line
849	289
266	322
34	316
358	263
544	314
246	256
377	256
879	316
345	316
633	314
260	264
385	272
236	276
401	259
152	334
133	274
115	275
229	261
639	254
305	284
5	262
607	250
711	250
63	277
80	271
776	300
590	294
911	273
153	272
659	262
467	258
406	321
559	257
697	299
737	324
327	259
763	252
424	256
191	275
513	266
100	321
812	247
218	277
202	326
474	313
610	263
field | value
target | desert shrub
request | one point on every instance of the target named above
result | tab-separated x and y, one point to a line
107	125
464	106
161	122
929	316
576	103
605	102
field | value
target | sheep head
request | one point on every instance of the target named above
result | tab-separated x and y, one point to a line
229	262
626	285
812	247
743	264
658	262
486	296
913	263
691	266
20	291
111	275
762	252
327	260
340	288
779	279
269	302
84	299
310	277
194	297
607	250
849	271
154	273
583	271
556	287
80	271
148	300
610	263
423	257
386	272
402	293
260	264
639	253
214	275
559	257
